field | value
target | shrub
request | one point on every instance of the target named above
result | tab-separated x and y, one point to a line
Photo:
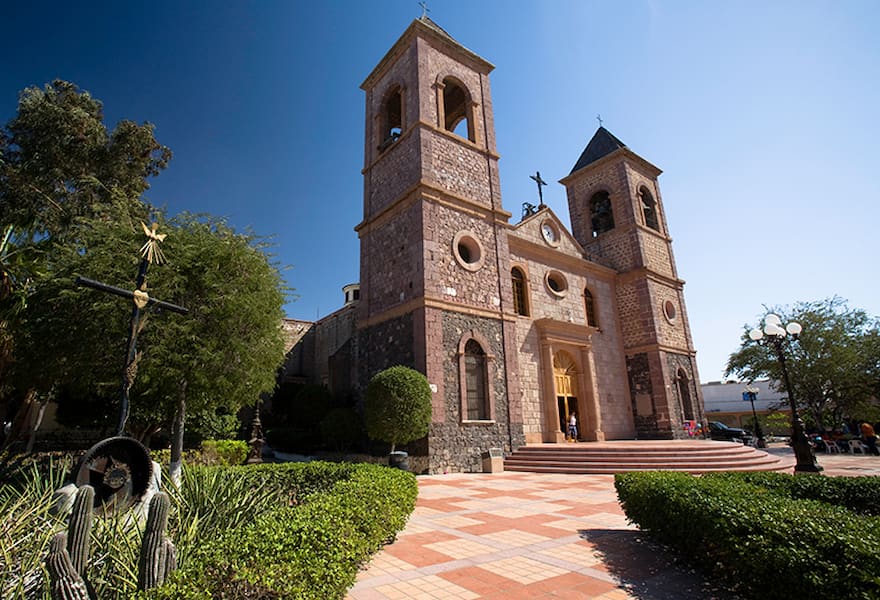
341	428
858	494
293	530
310	550
397	408
769	544
224	452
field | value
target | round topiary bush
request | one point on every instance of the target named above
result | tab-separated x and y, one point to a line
397	407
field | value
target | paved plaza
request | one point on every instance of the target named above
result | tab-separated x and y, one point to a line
526	535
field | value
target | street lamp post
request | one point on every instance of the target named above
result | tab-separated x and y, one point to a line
750	394
776	339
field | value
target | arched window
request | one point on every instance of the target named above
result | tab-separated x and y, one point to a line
457	109
590	308
601	217
475	376
649	208
392	119
518	279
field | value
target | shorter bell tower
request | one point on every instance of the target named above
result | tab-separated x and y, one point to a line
617	216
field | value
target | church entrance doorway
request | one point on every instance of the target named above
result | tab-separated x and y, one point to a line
565	377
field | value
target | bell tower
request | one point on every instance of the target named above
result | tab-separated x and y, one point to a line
617	216
435	294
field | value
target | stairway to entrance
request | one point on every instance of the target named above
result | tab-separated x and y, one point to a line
691	456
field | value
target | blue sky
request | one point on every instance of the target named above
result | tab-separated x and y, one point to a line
763	116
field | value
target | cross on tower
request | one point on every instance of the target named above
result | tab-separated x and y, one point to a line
425	9
150	252
537	179
599	118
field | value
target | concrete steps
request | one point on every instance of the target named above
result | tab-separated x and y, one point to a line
692	456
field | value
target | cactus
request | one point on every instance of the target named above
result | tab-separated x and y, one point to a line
158	556
66	582
69	550
79	527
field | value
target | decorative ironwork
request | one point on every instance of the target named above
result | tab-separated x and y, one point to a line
150	253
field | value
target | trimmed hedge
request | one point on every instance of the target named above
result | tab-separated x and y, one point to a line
310	547
858	494
767	544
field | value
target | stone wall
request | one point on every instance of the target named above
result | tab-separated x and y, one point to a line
457	446
642	394
384	345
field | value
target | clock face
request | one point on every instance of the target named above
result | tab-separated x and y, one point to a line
549	232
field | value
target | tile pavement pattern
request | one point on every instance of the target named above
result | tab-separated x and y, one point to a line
527	535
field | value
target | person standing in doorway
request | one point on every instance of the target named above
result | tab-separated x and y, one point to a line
573	427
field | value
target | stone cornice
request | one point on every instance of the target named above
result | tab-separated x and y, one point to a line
426	302
432	193
553	257
645	273
660	348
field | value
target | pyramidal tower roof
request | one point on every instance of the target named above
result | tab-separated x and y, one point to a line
602	144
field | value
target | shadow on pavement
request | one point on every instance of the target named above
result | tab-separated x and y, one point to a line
648	570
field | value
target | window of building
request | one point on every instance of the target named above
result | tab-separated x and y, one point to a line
557	283
590	307
476	376
468	250
669	311
520	304
649	208
392	119
457	109
601	217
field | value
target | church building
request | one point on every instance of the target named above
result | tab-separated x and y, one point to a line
515	325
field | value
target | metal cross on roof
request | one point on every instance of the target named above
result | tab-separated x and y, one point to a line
537	179
150	252
599	118
425	9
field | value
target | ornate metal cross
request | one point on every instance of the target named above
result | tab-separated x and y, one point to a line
599	118
425	9
150	253
537	179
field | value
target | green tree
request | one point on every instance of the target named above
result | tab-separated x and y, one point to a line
834	367
60	167
59	162
225	353
397	407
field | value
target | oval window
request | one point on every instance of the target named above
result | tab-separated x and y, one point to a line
467	250
557	283
669	311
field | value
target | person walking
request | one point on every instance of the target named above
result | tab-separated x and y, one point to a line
573	427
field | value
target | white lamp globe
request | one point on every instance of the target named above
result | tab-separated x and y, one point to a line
756	334
794	328
772	319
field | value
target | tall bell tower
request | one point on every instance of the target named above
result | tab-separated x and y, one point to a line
617	216
435	294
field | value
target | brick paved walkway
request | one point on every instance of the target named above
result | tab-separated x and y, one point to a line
525	535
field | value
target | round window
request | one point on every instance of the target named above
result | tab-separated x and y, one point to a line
467	250
669	311
557	283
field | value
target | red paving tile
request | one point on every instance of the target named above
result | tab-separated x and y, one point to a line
628	559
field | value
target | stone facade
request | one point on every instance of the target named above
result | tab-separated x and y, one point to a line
514	325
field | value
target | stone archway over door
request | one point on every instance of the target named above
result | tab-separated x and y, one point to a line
565	377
